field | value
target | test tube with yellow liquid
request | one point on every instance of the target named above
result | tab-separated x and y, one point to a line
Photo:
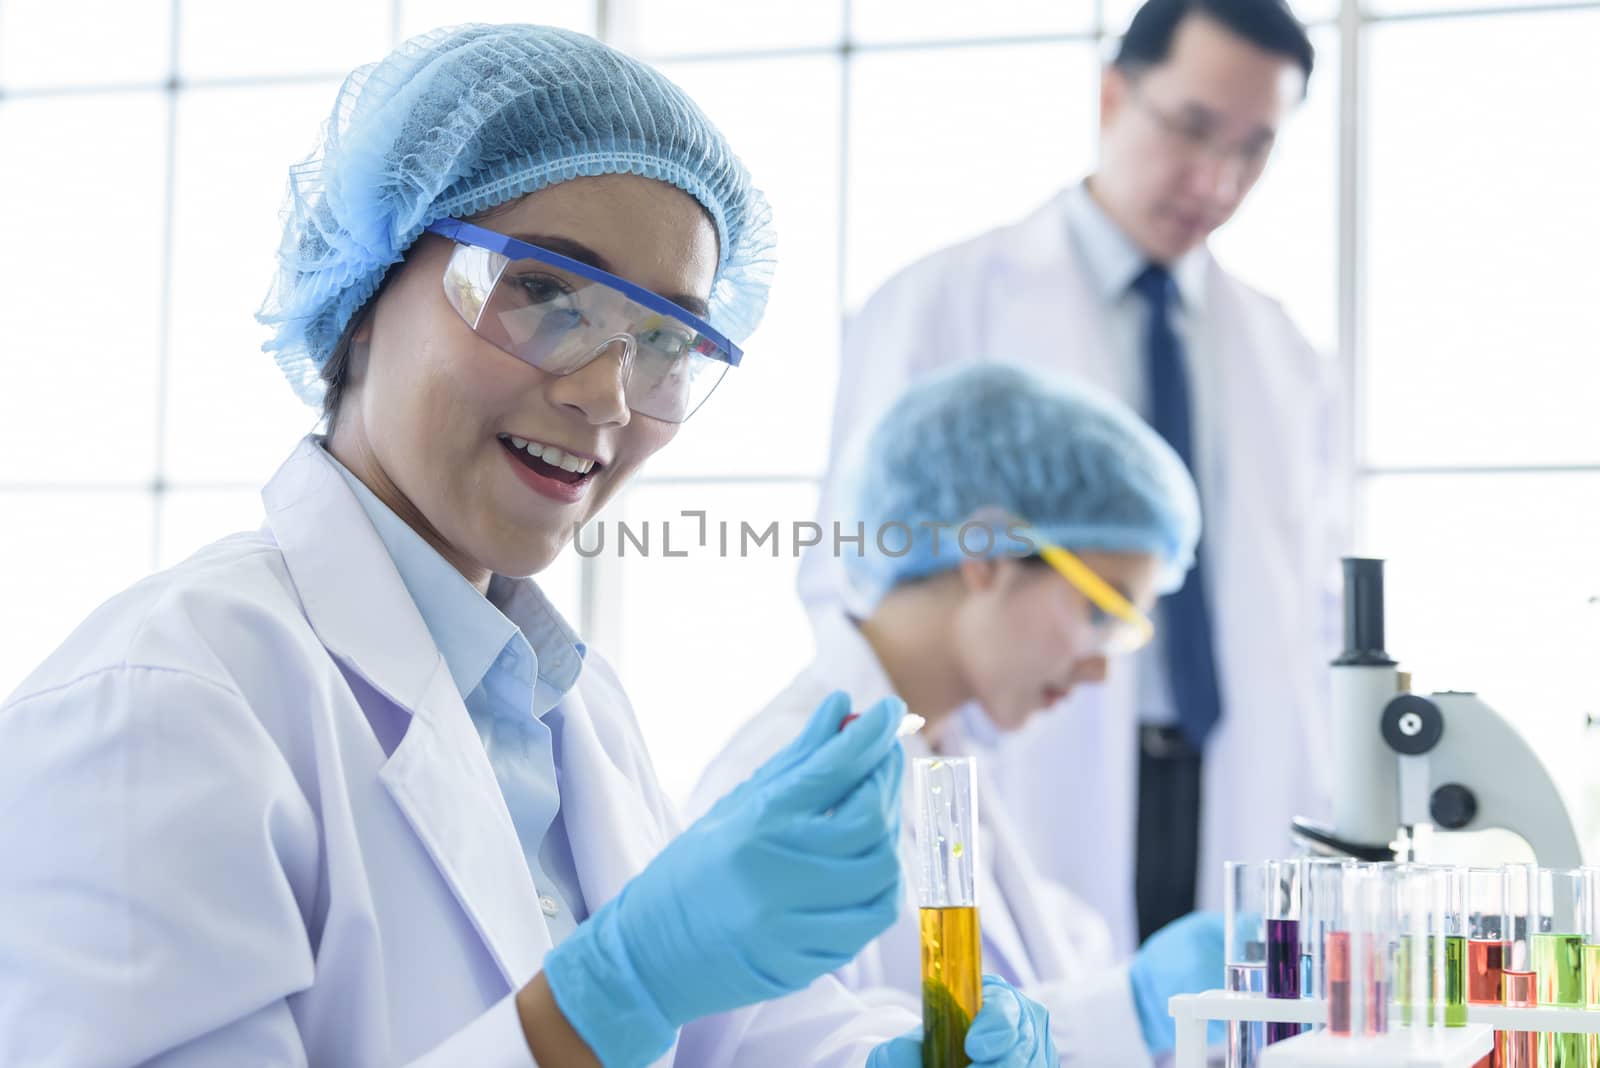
946	794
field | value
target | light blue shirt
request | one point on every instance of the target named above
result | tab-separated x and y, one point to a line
513	659
1112	261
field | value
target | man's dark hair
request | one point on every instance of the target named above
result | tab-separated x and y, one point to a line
1267	24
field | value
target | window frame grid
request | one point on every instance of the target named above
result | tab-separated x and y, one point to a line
601	594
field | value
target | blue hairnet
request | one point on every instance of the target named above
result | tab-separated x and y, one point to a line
1075	465
457	121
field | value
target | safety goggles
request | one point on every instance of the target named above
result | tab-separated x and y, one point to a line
1119	626
559	314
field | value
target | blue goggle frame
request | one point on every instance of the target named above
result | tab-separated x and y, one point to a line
468	234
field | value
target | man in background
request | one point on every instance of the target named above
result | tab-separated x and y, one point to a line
1203	750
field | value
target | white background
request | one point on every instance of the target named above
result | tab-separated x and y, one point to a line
1431	216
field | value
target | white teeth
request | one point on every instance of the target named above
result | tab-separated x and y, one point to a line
553	456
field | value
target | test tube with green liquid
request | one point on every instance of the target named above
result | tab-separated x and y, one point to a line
1557	949
1430	965
1591	955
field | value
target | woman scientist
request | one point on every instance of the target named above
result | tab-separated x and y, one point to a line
344	791
1015	533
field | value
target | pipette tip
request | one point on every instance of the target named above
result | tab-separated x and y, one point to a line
910	724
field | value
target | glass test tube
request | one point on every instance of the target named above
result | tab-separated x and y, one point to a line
1591	954
1486	944
1283	939
1454	920
1430	964
1334	891
1322	912
1557	950
1413	973
946	796
1519	1049
1244	952
1370	907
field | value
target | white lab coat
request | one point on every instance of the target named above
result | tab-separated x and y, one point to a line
1036	934
245	819
1273	488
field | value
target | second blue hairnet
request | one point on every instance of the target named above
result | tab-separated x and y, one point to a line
458	121
1075	464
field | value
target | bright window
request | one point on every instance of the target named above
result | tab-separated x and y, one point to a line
147	145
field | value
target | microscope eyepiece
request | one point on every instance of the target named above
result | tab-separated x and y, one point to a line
1363	614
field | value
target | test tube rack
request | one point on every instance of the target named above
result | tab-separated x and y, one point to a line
1449	1047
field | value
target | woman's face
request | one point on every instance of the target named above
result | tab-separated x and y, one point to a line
1025	635
430	409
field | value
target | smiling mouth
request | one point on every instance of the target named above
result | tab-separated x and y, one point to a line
549	461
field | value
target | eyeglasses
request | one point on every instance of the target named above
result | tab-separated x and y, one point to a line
1196	134
559	314
1119	626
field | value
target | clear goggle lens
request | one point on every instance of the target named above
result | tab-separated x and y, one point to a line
1119	627
560	321
1113	636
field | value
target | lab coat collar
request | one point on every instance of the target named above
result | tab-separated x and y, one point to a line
850	662
438	774
1112	259
469	631
349	587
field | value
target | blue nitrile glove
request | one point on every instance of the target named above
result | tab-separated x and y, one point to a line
784	880
1184	957
1011	1030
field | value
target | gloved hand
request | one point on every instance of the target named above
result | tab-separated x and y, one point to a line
1184	957
1010	1031
784	880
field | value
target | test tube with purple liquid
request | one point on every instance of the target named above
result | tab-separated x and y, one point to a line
1283	939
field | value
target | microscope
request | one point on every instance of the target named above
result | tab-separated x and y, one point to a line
1405	762
1404	765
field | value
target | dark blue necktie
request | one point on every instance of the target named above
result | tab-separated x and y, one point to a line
1186	624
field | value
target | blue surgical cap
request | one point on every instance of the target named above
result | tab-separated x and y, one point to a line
457	121
1075	465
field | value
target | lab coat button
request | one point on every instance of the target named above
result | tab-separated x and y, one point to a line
548	904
